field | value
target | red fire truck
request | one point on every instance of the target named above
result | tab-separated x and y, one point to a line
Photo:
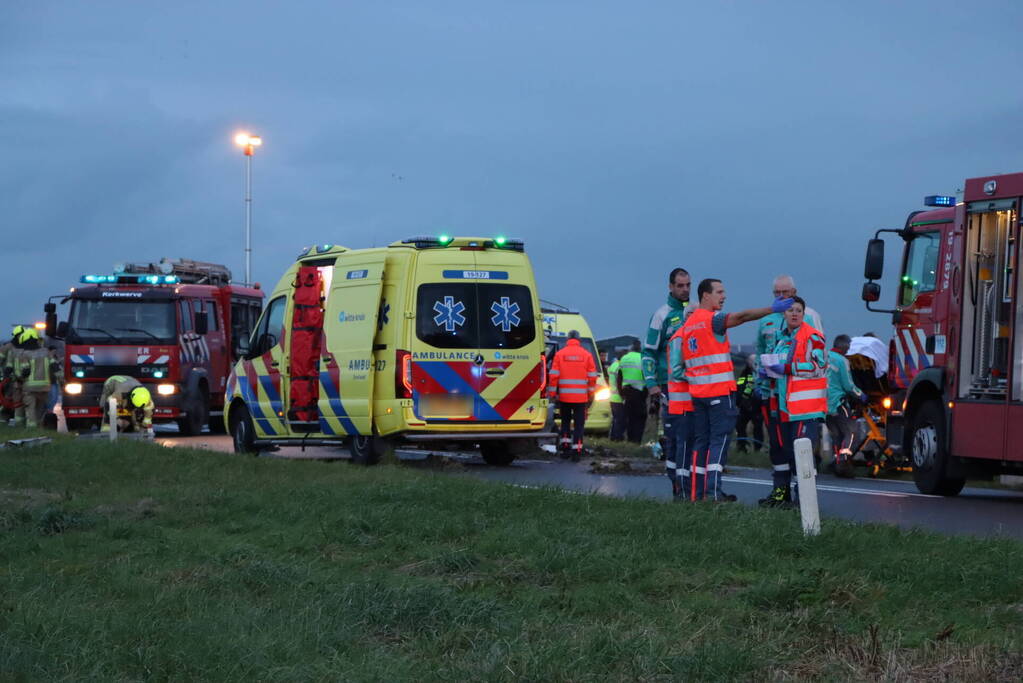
956	358
177	326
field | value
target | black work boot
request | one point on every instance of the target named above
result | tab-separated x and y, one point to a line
779	497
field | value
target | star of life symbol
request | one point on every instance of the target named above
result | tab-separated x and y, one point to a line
449	314
506	314
692	344
382	318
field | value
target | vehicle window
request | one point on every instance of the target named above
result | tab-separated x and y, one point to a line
921	273
213	319
446	315
123	321
268	331
506	318
585	342
185	307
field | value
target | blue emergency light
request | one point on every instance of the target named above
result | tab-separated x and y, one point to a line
127	278
939	200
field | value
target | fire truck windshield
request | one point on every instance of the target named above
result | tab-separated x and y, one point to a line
125	322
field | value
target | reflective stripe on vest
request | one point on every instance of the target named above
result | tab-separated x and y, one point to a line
805	395
708	361
680	401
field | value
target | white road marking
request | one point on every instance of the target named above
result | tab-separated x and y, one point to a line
840	489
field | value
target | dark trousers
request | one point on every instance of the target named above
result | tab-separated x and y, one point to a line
842	426
776	452
635	413
617	421
713	422
573	419
797	429
749	413
681	438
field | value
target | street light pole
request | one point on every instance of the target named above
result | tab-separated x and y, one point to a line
248	143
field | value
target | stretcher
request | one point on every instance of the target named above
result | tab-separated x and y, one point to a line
871	444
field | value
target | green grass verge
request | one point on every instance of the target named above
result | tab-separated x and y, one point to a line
143	562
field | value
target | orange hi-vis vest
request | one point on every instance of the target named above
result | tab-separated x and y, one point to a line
573	376
806	393
680	401
708	361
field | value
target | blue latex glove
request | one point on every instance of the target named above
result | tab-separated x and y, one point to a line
781	305
777	368
762	374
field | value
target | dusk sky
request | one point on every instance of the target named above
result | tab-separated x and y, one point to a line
736	139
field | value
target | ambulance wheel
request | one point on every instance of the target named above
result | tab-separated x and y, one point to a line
365	450
928	448
243	432
497	453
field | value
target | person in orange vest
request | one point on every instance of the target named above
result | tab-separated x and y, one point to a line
802	392
572	381
711	376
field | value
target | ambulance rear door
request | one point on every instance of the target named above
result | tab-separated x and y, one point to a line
347	368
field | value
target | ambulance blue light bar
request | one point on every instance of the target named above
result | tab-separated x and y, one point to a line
939	200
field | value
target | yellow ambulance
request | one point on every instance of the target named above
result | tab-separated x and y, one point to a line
558	321
430	339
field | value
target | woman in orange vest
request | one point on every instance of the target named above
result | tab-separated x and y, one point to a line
802	395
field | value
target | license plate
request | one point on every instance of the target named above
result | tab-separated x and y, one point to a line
445	405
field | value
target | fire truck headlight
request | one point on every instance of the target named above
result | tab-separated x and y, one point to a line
886	402
73	388
602	394
165	389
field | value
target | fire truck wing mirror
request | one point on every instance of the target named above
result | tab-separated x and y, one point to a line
201	323
871	292
49	307
62	329
51	324
241	347
873	268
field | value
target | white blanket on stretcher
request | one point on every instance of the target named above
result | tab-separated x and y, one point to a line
872	348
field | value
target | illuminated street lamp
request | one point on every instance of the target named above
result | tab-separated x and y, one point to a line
248	143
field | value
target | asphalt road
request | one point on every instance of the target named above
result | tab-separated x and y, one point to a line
976	511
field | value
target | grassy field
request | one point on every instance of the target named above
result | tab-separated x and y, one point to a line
144	562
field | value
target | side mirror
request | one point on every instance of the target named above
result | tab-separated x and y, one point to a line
873	268
201	322
241	347
871	292
62	329
51	324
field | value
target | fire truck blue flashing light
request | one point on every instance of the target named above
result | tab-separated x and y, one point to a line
123	279
98	279
939	200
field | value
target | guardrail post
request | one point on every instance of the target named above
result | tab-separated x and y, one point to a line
806	475
112	409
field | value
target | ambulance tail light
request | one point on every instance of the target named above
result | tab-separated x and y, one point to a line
403	374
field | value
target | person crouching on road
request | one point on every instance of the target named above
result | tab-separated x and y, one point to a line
708	360
840	421
573	381
802	390
131	396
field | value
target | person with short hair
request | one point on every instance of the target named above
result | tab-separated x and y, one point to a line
841	421
634	393
666	320
573	382
707	355
614	383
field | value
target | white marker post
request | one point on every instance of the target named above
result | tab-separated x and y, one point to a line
806	475
58	410
112	409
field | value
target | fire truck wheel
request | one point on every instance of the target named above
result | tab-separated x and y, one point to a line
243	432
198	411
497	453
365	450
929	451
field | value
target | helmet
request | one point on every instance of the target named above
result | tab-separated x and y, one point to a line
27	334
140	397
16	331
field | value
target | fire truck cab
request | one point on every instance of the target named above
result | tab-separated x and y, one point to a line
174	326
956	356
